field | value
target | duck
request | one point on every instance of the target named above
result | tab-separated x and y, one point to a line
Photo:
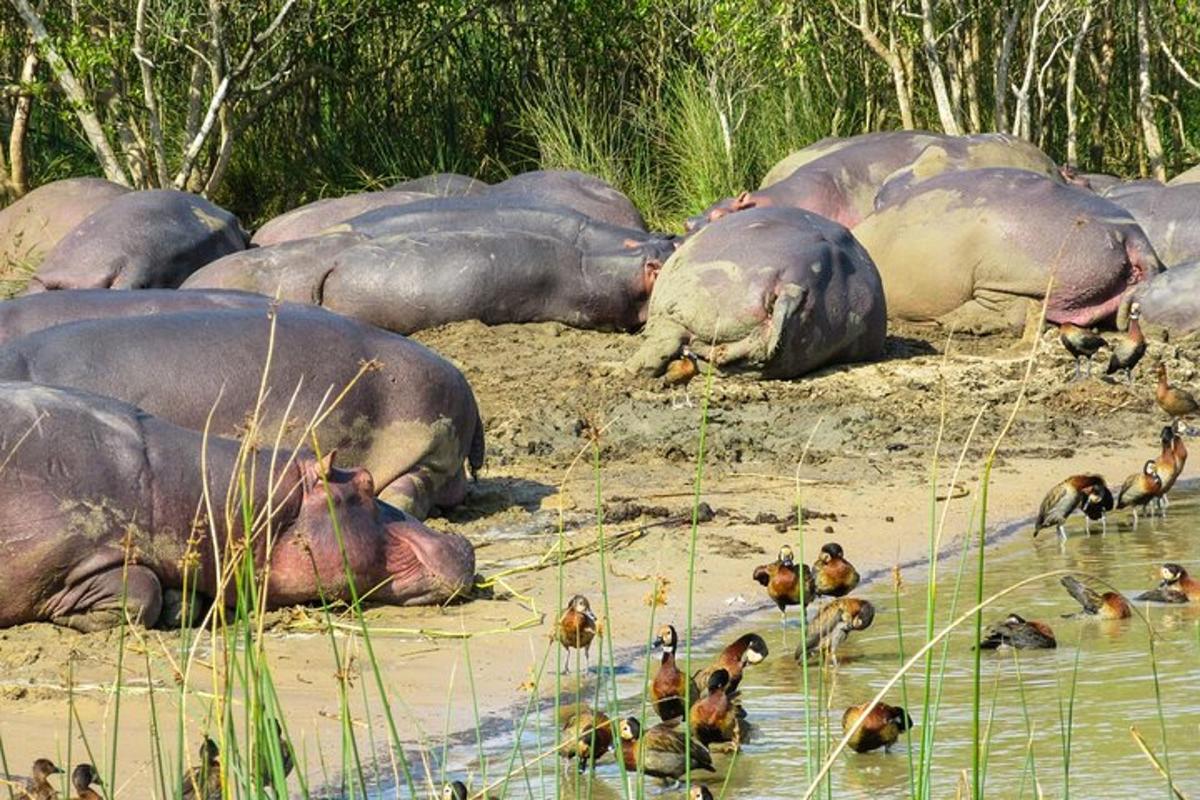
203	781
287	757
747	649
1170	462
881	727
833	574
680	372
787	584
1177	402
1080	343
700	792
1018	633
1140	489
37	786
1086	492
669	690
663	749
82	778
454	790
591	732
1128	348
576	629
714	718
1176	587
1110	605
833	625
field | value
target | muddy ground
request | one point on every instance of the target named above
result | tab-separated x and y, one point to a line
545	391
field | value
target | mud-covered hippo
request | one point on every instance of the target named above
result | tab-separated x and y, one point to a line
1187	176
443	184
1172	299
295	269
88	480
311	219
969	249
411	419
35	312
32	226
584	193
141	240
779	291
1170	216
840	178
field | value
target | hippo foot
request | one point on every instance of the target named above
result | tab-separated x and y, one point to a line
102	601
176	614
987	313
412	493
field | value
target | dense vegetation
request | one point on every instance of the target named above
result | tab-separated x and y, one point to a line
264	104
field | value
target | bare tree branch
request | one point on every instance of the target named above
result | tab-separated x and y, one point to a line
158	147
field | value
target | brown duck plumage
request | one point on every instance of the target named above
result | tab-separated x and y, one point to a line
1176	587
661	749
38	787
669	690
788	583
1080	343
1019	633
715	717
1110	605
1128	348
1140	489
747	649
1078	492
1173	400
591	731
575	630
881	728
833	575
833	625
203	781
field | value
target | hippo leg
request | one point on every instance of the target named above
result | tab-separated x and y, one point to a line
662	343
95	602
451	493
988	312
175	614
412	493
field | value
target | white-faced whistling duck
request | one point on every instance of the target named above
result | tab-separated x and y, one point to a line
1088	493
576	629
37	786
1177	402
1138	490
833	574
745	650
590	731
1176	587
669	690
714	718
1170	462
700	792
1128	348
82	778
833	625
663	748
788	583
1110	605
680	371
203	781
1018	633
455	790
1080	343
881	728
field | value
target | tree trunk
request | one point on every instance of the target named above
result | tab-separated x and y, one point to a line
971	58
887	53
1145	103
1000	78
1022	124
1072	76
937	77
158	146
1103	69
19	169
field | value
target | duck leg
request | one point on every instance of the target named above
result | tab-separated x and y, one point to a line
687	398
1078	373
1135	518
1062	531
566	670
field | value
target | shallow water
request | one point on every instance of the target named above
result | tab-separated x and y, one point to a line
1115	685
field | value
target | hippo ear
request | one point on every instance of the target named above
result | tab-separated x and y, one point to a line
324	467
316	470
650	272
743	201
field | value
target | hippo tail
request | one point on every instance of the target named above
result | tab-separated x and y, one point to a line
477	453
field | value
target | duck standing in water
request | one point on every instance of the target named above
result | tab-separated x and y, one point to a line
576	629
82	778
663	750
833	575
1019	633
37	786
1177	402
1080	343
881	728
1128	348
669	690
1139	490
700	792
745	650
788	584
680	372
1176	587
1170	462
203	782
1110	605
833	625
1088	493
714	719
590	731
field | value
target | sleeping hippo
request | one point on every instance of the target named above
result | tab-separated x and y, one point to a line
141	240
32	226
295	269
970	249
89	479
410	419
1170	216
443	184
584	193
311	219
776	291
35	312
1172	299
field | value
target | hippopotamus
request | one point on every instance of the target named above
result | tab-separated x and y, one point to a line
839	178
775	291
311	219
410	417
32	226
443	184
294	269
584	193
35	312
141	240
1187	176
969	249
1170	216
1172	299
98	502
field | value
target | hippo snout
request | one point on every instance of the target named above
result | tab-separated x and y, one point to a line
425	566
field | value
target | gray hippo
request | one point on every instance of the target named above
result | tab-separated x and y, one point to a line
295	270
840	178
443	184
1170	216
584	193
311	219
777	291
32	226
970	249
98	501
1172	299
141	240
410	418
35	312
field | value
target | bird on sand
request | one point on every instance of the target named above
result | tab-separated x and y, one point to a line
1128	348
1179	403
1080	343
1018	633
1088	493
575	630
680	372
1109	605
788	583
833	625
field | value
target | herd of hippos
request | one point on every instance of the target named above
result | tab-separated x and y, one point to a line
121	410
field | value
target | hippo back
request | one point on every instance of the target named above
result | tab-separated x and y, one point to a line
443	184
584	193
294	270
311	219
1170	216
1172	299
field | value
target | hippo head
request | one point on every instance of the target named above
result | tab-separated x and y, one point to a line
393	558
